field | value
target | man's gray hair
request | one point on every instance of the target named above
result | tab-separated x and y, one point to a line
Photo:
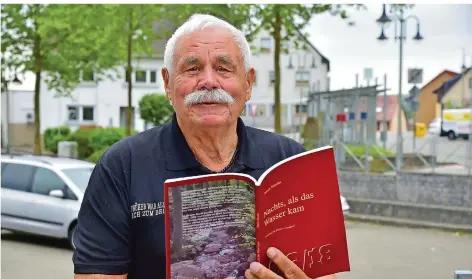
198	22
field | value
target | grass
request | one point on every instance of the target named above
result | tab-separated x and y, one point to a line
359	150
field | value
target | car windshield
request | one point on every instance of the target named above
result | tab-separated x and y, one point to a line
80	176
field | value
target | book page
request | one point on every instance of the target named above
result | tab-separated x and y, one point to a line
212	229
299	212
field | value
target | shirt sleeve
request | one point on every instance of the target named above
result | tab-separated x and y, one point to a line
103	235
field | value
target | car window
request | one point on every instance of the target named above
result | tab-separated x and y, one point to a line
45	180
16	176
80	176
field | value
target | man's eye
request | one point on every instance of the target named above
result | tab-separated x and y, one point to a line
192	69
222	69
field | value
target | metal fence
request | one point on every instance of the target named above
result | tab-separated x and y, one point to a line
429	154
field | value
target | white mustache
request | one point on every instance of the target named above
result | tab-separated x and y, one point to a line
218	96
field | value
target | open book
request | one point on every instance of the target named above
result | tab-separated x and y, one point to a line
217	224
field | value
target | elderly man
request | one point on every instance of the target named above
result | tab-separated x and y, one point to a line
208	80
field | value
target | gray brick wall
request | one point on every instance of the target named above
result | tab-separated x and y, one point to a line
427	189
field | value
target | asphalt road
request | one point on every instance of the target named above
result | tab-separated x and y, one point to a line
375	252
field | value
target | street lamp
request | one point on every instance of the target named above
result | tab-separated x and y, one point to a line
6	83
398	17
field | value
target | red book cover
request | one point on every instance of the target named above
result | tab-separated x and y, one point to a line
216	225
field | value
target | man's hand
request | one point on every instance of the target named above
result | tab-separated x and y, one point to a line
286	266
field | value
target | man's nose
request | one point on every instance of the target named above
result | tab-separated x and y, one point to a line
208	79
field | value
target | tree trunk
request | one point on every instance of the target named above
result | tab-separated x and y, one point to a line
277	28
128	74
37	89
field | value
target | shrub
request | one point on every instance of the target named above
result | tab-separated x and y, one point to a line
52	136
155	108
81	136
105	137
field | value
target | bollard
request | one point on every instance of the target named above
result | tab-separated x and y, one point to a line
67	149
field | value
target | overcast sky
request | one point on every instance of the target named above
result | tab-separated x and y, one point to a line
446	30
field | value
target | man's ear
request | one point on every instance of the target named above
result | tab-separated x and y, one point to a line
166	78
250	77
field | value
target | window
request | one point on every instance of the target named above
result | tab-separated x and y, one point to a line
16	176
140	76
266	44
301	60
80	176
44	181
304	91
313	64
87	113
73	113
80	113
271	77
301	108
153	78
302	77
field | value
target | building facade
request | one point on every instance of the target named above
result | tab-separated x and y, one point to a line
428	101
302	71
103	102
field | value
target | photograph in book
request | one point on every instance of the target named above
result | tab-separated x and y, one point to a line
212	229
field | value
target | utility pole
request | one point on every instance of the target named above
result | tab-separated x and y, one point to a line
384	114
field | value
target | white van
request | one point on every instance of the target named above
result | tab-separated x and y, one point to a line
456	123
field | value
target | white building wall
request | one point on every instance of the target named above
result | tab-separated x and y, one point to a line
106	97
263	92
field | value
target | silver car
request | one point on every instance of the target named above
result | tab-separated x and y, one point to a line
42	194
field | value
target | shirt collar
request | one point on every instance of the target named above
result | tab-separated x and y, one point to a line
179	156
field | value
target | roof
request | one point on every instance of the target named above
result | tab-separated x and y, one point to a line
59	162
448	72
323	58
446	86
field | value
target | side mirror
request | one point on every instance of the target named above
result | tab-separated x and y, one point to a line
57	193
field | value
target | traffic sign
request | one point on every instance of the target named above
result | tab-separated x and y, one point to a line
415	75
368	74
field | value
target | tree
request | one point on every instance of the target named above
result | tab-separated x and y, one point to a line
285	23
134	31
56	43
155	108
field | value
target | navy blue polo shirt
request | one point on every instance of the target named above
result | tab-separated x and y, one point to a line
120	226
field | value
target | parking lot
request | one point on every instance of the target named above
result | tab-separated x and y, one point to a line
375	252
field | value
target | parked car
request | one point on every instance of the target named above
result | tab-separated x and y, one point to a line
435	126
42	195
345	205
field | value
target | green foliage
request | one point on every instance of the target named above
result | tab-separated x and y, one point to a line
359	150
105	137
52	136
155	108
96	155
81	136
57	43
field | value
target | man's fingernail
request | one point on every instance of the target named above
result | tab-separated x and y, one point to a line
271	252
255	266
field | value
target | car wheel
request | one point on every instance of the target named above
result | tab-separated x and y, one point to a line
70	236
451	135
